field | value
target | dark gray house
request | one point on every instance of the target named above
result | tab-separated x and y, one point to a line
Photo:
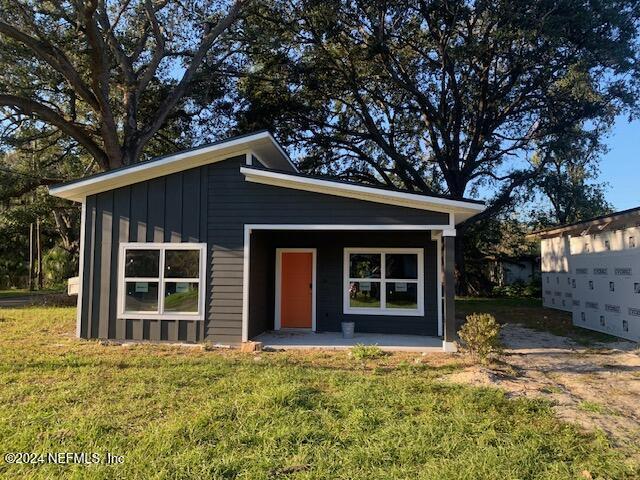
223	242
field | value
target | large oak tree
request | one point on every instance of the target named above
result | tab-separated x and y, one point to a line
111	76
440	95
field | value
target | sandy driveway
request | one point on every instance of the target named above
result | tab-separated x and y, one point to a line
597	387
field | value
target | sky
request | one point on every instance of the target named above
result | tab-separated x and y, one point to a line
620	168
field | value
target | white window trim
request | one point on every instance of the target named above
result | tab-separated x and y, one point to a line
347	310
200	280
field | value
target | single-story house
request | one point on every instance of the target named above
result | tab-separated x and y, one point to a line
222	242
592	269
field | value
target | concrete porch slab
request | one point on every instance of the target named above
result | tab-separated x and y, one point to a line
292	340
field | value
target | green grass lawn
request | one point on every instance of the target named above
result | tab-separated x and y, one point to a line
190	413
21	292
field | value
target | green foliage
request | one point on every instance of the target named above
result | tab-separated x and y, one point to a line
58	265
115	81
190	414
520	289
439	96
480	336
569	183
366	352
485	244
24	203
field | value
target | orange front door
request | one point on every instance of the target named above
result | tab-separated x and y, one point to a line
296	289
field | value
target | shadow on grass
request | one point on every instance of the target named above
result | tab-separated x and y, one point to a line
530	313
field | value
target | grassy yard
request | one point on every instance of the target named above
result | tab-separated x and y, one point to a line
21	292
529	312
190	413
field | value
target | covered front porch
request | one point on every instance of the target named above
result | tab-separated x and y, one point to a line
403	303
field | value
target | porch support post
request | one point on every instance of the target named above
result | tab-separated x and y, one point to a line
448	260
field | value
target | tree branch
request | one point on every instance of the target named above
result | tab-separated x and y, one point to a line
49	115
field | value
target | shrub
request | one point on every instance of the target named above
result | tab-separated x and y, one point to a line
366	352
58	265
518	289
480	336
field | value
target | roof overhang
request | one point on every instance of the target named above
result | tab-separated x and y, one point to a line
260	144
461	210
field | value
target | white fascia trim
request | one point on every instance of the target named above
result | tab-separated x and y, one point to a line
294	226
83	216
359	191
282	152
165	166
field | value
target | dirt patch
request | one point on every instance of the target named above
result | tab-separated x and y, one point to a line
596	387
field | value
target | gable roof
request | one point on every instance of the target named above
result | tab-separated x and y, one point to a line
277	169
261	144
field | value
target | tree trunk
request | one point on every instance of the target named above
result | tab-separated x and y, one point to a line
39	246
30	285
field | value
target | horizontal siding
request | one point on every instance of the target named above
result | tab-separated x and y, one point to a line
165	209
330	265
234	202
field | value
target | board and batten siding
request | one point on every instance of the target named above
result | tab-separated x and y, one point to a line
208	204
234	202
166	209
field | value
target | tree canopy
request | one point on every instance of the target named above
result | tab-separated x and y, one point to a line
113	77
439	96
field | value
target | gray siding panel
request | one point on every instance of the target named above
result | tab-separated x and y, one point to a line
173	209
138	224
212	204
234	202
103	260
157	210
121	210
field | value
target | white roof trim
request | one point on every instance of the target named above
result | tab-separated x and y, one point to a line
180	161
462	209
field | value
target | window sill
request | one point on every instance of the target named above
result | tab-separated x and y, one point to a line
157	316
390	312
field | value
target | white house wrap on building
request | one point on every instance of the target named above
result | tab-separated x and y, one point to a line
592	269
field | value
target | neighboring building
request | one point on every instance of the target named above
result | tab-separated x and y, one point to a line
223	242
592	269
504	271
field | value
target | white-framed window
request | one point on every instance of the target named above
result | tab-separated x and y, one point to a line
632	242
383	281
163	281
